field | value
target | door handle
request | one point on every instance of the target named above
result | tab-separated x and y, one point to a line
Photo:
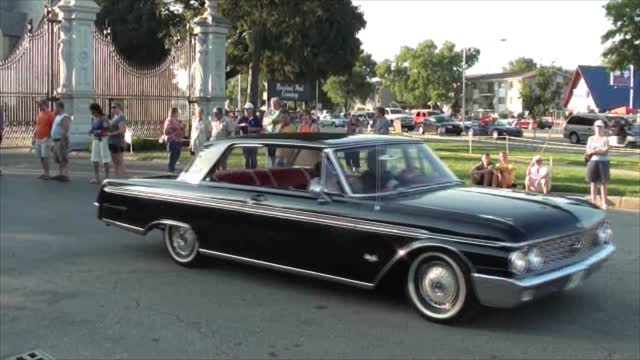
258	198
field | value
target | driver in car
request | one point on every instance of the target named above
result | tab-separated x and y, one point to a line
377	178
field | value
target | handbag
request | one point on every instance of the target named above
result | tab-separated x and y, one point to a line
587	158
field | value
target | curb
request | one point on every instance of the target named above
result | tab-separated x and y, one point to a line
614	202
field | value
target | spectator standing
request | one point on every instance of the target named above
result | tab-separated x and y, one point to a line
44	122
482	172
60	138
201	129
598	164
272	117
100	154
117	129
286	155
353	157
173	134
250	124
222	127
1	126
381	123
537	177
503	172
307	125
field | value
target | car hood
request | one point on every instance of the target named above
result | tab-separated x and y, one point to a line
497	215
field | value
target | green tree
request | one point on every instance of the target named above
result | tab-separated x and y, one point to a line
520	64
540	94
356	85
427	74
145	31
288	39
624	36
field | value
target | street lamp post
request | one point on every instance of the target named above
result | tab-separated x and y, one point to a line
464	94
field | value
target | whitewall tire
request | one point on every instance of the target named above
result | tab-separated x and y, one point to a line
183	244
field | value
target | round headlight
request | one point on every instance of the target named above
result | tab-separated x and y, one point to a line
535	259
605	233
518	262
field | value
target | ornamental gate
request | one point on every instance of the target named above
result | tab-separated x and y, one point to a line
30	73
66	58
146	93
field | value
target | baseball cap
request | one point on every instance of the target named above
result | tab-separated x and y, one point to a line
599	123
248	106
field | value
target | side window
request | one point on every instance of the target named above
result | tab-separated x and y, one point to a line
270	166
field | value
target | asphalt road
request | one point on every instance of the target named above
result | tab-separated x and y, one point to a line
77	289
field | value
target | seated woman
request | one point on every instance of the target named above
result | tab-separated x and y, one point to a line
503	172
537	177
482	172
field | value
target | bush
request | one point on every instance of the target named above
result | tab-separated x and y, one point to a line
142	144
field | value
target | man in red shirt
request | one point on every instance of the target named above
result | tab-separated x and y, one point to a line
44	121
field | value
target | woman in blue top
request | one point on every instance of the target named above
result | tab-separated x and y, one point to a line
100	153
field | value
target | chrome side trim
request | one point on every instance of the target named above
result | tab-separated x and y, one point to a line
319	218
288	269
131	228
154	224
415	245
96	204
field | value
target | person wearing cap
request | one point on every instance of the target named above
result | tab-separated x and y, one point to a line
44	122
249	123
537	177
200	131
597	151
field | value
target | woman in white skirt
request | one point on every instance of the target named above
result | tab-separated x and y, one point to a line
100	153
200	132
598	164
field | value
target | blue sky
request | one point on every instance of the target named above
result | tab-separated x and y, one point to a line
565	32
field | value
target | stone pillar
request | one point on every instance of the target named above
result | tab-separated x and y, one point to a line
210	66
76	66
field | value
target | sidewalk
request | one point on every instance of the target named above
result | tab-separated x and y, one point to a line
20	161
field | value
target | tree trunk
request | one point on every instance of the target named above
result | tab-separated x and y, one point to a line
346	104
253	85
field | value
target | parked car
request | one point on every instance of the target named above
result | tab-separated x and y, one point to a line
441	125
406	121
528	123
419	115
335	120
314	216
579	127
394	114
633	136
496	129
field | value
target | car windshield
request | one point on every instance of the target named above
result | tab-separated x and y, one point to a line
502	123
392	168
336	116
441	119
395	111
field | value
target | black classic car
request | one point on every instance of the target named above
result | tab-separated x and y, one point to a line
354	209
496	129
440	125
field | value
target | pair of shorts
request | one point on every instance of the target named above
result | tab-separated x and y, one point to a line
61	150
41	148
100	152
598	171
116	149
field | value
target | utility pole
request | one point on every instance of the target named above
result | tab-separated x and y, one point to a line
239	86
464	95
631	88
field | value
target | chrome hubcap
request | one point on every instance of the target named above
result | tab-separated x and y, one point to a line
183	241
439	286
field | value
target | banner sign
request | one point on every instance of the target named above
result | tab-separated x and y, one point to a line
289	90
621	77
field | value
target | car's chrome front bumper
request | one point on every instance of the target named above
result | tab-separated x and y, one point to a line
506	293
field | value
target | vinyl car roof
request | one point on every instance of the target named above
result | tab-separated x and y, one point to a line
321	140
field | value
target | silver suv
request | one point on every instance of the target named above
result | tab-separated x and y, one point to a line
579	127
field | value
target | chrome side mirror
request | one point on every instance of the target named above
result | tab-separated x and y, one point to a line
319	192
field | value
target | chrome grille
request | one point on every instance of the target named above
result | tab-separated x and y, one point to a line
563	248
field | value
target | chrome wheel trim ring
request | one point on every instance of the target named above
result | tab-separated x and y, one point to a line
426	300
182	243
